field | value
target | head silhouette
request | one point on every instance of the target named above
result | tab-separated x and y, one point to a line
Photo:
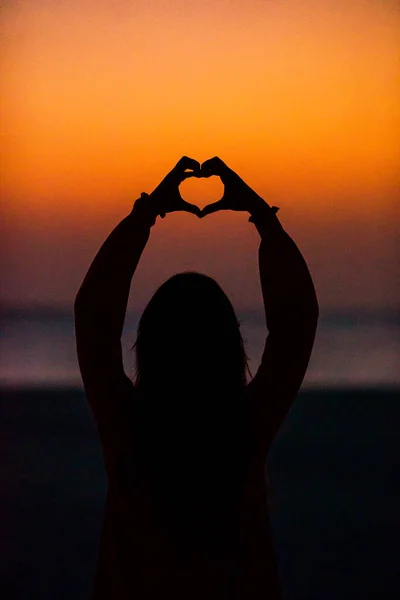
189	335
190	435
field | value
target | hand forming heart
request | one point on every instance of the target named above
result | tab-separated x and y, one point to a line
237	196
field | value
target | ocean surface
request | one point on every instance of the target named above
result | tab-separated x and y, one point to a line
352	348
334	466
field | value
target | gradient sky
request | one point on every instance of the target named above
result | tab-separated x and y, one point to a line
101	98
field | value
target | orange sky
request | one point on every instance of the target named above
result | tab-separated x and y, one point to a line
102	98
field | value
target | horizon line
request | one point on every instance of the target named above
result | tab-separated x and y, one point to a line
64	310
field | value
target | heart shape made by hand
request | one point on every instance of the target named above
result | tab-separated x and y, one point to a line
235	193
202	190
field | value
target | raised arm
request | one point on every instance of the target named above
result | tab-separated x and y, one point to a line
291	311
101	302
290	302
100	308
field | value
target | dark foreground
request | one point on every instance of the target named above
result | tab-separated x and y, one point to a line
334	467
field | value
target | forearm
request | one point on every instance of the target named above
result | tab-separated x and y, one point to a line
103	296
288	291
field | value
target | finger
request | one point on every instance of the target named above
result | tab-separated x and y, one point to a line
174	177
187	163
192	208
180	171
216	206
214	166
204	172
188	174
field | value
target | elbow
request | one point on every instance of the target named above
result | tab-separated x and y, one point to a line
316	308
313	315
78	311
313	306
309	307
78	301
315	321
83	310
308	321
81	302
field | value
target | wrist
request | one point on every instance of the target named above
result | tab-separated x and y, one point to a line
264	217
256	204
144	210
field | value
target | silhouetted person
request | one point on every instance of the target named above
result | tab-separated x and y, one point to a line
185	447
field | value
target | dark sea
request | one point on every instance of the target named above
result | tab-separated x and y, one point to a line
334	466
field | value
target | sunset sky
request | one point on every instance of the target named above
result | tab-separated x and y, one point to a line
100	98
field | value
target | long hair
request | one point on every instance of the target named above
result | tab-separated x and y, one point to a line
188	330
191	441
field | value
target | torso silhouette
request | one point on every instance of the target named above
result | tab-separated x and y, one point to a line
138	560
136	557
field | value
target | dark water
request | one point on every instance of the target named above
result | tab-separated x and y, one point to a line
334	469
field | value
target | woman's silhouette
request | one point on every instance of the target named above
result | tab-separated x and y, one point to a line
185	446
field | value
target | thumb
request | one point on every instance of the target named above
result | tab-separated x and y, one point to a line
214	207
192	208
